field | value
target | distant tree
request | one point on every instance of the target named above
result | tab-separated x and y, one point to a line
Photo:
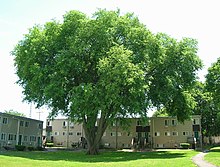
105	67
206	107
162	112
12	112
212	87
213	82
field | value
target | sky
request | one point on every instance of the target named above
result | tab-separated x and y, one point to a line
197	19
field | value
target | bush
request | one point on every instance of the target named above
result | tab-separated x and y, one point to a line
49	144
20	147
40	148
184	145
30	148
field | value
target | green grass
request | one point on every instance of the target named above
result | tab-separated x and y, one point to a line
214	156
107	159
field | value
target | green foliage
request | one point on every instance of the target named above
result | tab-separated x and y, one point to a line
12	112
30	148
49	144
206	107
161	112
107	66
20	147
184	145
213	81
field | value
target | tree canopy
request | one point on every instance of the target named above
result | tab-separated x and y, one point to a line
212	87
105	67
16	113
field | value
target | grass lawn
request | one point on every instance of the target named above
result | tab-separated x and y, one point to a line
107	159
214	156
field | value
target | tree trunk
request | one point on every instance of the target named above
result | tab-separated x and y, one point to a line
94	134
92	149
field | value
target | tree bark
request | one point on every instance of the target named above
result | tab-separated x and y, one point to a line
94	134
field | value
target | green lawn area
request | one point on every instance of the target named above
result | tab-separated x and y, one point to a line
107	159
214	156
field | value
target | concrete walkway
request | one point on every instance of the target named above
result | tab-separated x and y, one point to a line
200	162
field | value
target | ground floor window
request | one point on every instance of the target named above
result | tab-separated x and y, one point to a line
3	136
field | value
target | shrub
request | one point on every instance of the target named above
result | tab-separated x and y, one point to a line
49	144
20	147
184	145
40	148
30	148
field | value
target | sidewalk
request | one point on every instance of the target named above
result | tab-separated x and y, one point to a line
200	162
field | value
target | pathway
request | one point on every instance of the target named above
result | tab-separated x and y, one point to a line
200	162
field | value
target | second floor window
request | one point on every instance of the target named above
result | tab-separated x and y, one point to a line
166	122
196	121
173	122
5	120
21	123
64	123
26	124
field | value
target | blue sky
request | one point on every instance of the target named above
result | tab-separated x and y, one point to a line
197	19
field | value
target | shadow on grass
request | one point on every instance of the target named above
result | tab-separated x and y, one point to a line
103	157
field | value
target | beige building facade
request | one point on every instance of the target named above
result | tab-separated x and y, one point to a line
156	132
16	130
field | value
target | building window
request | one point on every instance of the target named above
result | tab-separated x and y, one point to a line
78	134
166	122
167	133
160	145
185	133
119	134
5	120
11	137
113	134
3	136
173	122
56	133
40	126
64	123
25	138
70	133
175	133
48	123
196	121
157	134
21	123
64	133
138	122
32	138
27	124
71	124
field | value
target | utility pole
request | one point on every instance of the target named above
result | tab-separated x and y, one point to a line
39	112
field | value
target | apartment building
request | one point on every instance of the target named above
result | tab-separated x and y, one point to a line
16	130
63	132
156	132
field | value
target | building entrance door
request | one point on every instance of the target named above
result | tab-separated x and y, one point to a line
19	139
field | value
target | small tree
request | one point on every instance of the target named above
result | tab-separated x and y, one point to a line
104	67
12	112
